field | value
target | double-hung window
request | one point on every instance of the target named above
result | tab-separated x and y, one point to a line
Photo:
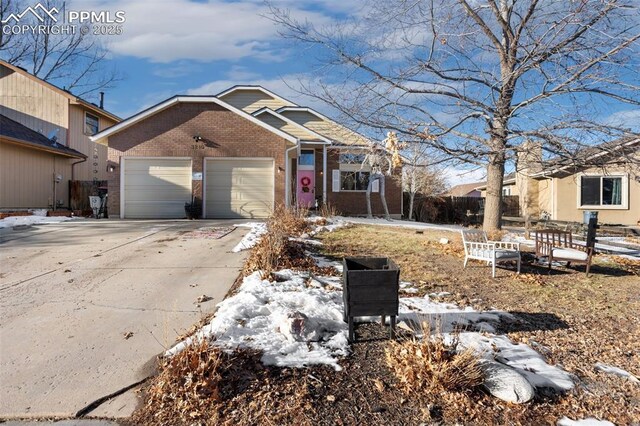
91	124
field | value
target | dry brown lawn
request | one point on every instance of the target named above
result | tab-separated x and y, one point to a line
573	320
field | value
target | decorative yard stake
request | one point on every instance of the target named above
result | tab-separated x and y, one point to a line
378	160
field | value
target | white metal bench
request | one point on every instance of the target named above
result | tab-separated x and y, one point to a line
476	246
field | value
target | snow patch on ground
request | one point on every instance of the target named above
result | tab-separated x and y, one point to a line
35	219
589	421
400	223
610	369
253	317
251	238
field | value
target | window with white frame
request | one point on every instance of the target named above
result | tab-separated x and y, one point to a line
91	124
354	181
506	190
351	174
603	191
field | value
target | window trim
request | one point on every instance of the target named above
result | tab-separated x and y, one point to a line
353	171
624	192
84	124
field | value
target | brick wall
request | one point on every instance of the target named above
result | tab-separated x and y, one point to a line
355	203
170	133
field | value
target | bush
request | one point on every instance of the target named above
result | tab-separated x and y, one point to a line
429	364
188	387
275	250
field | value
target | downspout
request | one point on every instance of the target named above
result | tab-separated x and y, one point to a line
287	178
324	175
72	177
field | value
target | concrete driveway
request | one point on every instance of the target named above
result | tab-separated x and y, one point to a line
85	307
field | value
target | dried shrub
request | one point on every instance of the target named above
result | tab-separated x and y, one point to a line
275	250
328	210
430	364
188	387
496	235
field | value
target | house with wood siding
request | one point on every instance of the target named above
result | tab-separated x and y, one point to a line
44	141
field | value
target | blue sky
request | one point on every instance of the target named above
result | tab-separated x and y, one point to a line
203	47
173	47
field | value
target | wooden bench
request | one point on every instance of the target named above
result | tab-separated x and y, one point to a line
476	246
558	246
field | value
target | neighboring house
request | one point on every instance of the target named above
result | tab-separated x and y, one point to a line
509	186
605	179
44	141
465	190
238	153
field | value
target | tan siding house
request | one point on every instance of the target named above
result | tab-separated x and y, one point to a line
565	193
44	141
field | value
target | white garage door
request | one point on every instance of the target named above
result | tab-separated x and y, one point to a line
156	187
238	188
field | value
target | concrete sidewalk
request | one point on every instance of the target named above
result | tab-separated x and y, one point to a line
86	306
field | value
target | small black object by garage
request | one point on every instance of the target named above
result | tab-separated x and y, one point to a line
370	288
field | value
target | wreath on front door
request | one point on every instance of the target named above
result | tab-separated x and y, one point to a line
305	181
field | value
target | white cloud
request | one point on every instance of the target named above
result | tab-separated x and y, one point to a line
168	30
627	119
458	176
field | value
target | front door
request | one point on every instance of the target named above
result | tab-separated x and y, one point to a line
306	183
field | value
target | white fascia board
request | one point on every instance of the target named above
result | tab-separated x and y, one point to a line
193	99
293	123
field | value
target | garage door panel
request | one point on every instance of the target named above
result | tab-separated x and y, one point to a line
239	188
156	188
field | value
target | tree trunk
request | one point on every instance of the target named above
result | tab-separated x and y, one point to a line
412	195
493	200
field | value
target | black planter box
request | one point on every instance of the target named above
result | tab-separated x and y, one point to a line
370	287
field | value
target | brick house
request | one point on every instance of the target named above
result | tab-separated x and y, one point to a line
237	154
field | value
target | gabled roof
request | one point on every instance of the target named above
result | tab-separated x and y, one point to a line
507	180
267	110
17	133
595	156
358	140
464	189
73	98
259	88
142	115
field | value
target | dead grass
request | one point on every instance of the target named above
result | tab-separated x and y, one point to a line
188	387
274	250
432	365
328	210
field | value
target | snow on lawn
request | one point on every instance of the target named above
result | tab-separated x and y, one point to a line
257	317
589	421
297	321
610	369
251	238
35	219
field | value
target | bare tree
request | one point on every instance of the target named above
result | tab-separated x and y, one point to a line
475	79
76	62
420	176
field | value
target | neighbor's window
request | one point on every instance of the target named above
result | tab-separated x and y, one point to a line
601	191
354	181
351	158
90	124
506	190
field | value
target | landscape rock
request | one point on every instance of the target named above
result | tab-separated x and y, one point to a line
444	241
505	383
297	327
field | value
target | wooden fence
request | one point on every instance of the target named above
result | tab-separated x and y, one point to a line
80	190
465	210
